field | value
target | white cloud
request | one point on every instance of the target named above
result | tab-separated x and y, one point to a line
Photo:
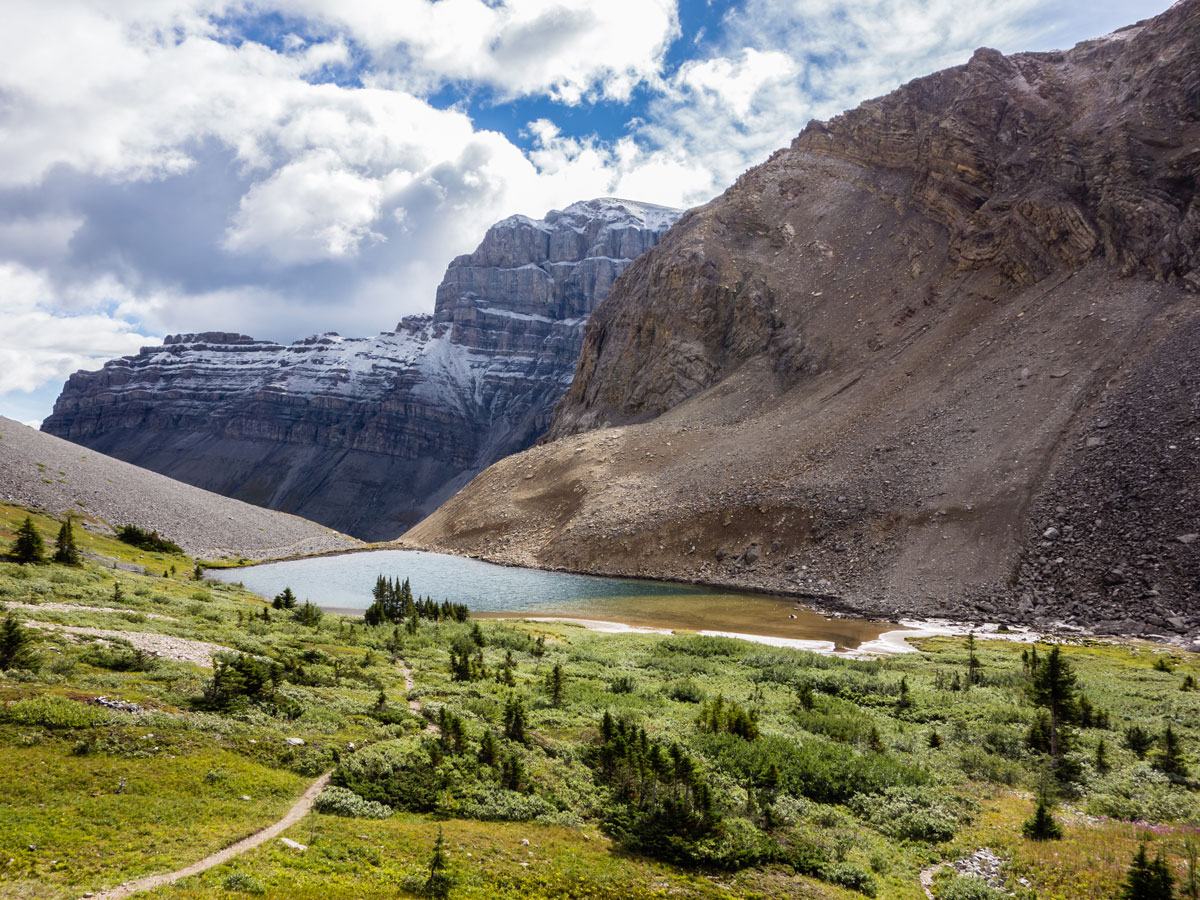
40	343
318	205
311	208
567	49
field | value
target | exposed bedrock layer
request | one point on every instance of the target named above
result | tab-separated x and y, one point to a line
368	435
940	356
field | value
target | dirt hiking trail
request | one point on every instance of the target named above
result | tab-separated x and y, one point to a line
294	815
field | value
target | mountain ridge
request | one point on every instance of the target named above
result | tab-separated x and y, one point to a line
872	370
368	434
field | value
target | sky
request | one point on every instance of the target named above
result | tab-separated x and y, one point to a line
287	169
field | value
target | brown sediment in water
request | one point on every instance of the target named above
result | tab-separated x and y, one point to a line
775	617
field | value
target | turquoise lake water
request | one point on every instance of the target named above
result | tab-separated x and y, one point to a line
343	584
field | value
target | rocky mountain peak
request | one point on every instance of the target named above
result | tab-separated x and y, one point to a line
393	423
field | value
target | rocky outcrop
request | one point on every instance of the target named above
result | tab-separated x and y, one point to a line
367	435
870	371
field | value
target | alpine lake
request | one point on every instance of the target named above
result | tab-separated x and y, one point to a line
342	584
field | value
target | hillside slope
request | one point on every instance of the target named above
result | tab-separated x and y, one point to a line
940	355
45	472
367	435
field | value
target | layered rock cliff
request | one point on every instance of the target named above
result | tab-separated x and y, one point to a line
367	435
937	356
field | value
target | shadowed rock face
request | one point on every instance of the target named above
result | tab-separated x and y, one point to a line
871	370
367	435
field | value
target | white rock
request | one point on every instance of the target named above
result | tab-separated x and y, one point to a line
288	842
296	742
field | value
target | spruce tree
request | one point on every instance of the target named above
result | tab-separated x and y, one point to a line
1190	886
284	600
974	676
16	644
1170	756
65	551
1053	689
555	685
28	546
1042	826
1148	880
1102	763
1139	740
489	752
514	720
438	883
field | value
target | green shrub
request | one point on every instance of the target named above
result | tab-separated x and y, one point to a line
52	711
240	676
820	771
120	657
966	887
338	801
242	881
622	684
703	646
493	803
914	814
686	691
146	540
850	875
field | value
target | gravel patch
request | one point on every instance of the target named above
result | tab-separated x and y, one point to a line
198	652
45	472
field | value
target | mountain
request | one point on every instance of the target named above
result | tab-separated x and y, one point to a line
367	435
44	472
941	355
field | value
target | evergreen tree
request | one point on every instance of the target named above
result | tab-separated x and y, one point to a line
16	644
903	702
512	772
1042	826
1139	740
1102	763
514	720
974	675
1169	760
1148	880
65	551
309	614
284	600
555	685
439	881
1053	689
28	546
489	751
1190	886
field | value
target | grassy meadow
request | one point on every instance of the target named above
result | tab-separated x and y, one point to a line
558	762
